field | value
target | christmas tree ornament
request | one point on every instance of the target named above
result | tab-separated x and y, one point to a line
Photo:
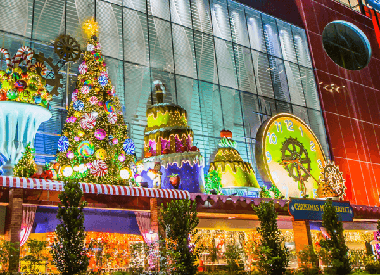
99	168
37	99
125	173
93	100
88	121
78	105
100	134
95	114
71	119
67	171
112	118
77	139
85	90
129	146
74	95
63	144
103	80
90	47
70	155
115	141
121	157
83	68
101	154
86	149
109	106
80	133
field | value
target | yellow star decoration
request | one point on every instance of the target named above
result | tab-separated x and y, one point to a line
90	27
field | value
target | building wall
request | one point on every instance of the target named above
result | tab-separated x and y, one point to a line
351	113
228	65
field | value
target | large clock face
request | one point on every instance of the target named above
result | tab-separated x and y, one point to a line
289	155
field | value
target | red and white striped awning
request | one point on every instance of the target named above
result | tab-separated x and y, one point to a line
29	183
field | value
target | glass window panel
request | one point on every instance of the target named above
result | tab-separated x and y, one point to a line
271	36
238	23
139	5
262	73
232	113
302	50
301	112
117	2
255	30
49	19
244	68
280	82
211	109
109	18
116	75
188	98
184	57
77	12
136	48
159	8
160	45
267	106
243	149
309	87
287	43
252	119
317	125
16	16
200	10
205	56
180	12
283	107
220	19
295	84
226	63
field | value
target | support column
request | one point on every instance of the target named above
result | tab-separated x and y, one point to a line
155	208
15	211
302	235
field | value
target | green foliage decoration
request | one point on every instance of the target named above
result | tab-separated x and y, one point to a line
26	166
335	246
68	251
8	255
179	219
272	253
213	182
36	256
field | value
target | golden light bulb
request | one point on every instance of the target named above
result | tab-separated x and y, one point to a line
90	27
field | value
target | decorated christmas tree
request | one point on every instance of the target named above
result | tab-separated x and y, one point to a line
26	166
94	146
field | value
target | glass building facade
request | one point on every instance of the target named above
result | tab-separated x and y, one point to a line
231	67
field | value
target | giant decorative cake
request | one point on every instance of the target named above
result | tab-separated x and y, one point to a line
168	142
237	176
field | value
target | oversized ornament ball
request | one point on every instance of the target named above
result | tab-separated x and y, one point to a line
81	133
109	106
97	56
20	85
101	154
82	168
67	171
83	68
77	138
88	121
121	158
85	90
99	168
103	80
88	82
70	155
115	141
125	173
94	114
3	97
112	118
93	100
63	144
90	47
86	149
129	146
100	134
78	105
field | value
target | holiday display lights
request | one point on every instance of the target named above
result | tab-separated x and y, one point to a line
26	166
95	113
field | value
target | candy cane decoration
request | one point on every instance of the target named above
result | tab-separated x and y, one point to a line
42	66
19	56
7	56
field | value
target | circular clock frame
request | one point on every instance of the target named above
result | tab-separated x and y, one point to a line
287	162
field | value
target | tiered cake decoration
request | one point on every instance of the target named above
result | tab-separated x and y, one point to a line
235	173
170	158
94	146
